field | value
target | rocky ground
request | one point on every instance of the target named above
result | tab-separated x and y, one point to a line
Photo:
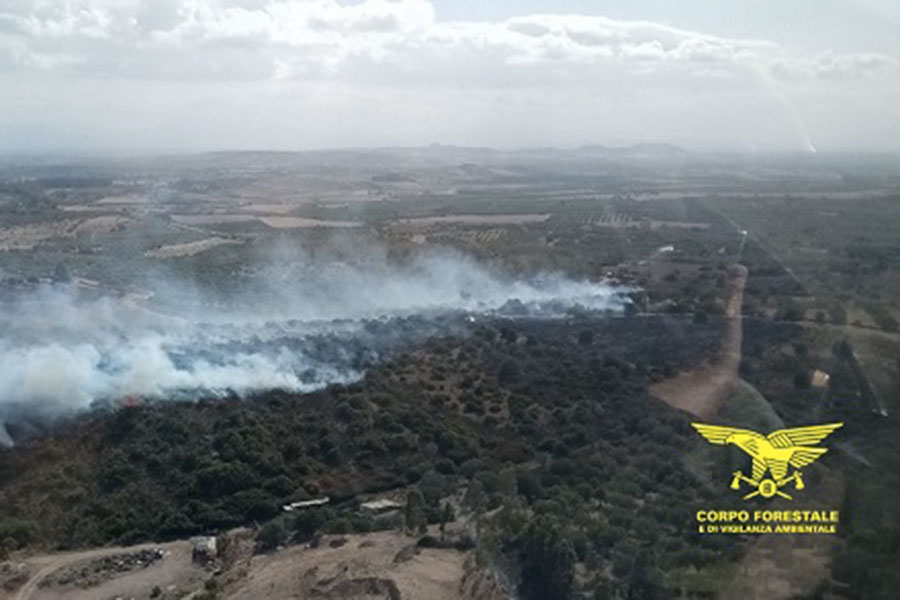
387	565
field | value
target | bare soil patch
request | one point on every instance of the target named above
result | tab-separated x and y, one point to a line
269	208
123	199
679	224
362	566
212	219
103	223
26	237
512	219
301	222
190	248
85	576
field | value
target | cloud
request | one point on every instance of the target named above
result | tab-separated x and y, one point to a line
324	39
829	65
306	71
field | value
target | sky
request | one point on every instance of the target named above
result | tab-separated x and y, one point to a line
151	76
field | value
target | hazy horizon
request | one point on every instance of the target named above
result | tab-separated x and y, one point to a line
102	154
187	76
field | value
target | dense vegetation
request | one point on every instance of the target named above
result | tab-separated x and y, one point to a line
573	476
548	422
777	360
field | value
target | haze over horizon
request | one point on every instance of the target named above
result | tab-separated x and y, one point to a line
200	75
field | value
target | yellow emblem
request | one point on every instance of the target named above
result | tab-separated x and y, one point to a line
773	452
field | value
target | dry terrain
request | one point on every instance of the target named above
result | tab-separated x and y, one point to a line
190	248
520	219
370	566
300	222
174	571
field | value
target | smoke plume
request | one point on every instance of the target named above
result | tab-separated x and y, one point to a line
295	324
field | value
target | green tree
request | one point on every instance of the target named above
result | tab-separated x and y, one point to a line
548	562
61	274
309	521
475	499
644	580
270	536
446	516
509	372
415	510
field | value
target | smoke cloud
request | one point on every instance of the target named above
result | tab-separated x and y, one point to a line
297	324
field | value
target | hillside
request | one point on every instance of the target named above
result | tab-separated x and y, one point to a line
538	418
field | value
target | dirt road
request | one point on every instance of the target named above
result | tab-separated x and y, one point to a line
701	391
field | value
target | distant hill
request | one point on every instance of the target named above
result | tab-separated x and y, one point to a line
643	151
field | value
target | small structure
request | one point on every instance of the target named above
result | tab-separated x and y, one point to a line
204	549
305	504
819	379
380	506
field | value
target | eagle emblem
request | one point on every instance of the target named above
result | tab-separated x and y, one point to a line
774	453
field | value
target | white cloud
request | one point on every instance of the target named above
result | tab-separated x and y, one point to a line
393	48
829	65
201	38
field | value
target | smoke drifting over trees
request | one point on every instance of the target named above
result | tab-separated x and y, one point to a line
298	326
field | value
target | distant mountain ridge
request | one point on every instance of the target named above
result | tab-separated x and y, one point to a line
644	150
641	150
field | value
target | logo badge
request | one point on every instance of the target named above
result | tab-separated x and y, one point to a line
773	454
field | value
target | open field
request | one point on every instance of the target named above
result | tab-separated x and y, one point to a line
189	248
300	223
211	219
487	220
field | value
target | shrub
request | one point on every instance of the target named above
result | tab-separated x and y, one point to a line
270	536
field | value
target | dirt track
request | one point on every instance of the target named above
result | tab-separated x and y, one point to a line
775	566
701	391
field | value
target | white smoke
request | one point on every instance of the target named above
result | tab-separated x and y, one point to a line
298	326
